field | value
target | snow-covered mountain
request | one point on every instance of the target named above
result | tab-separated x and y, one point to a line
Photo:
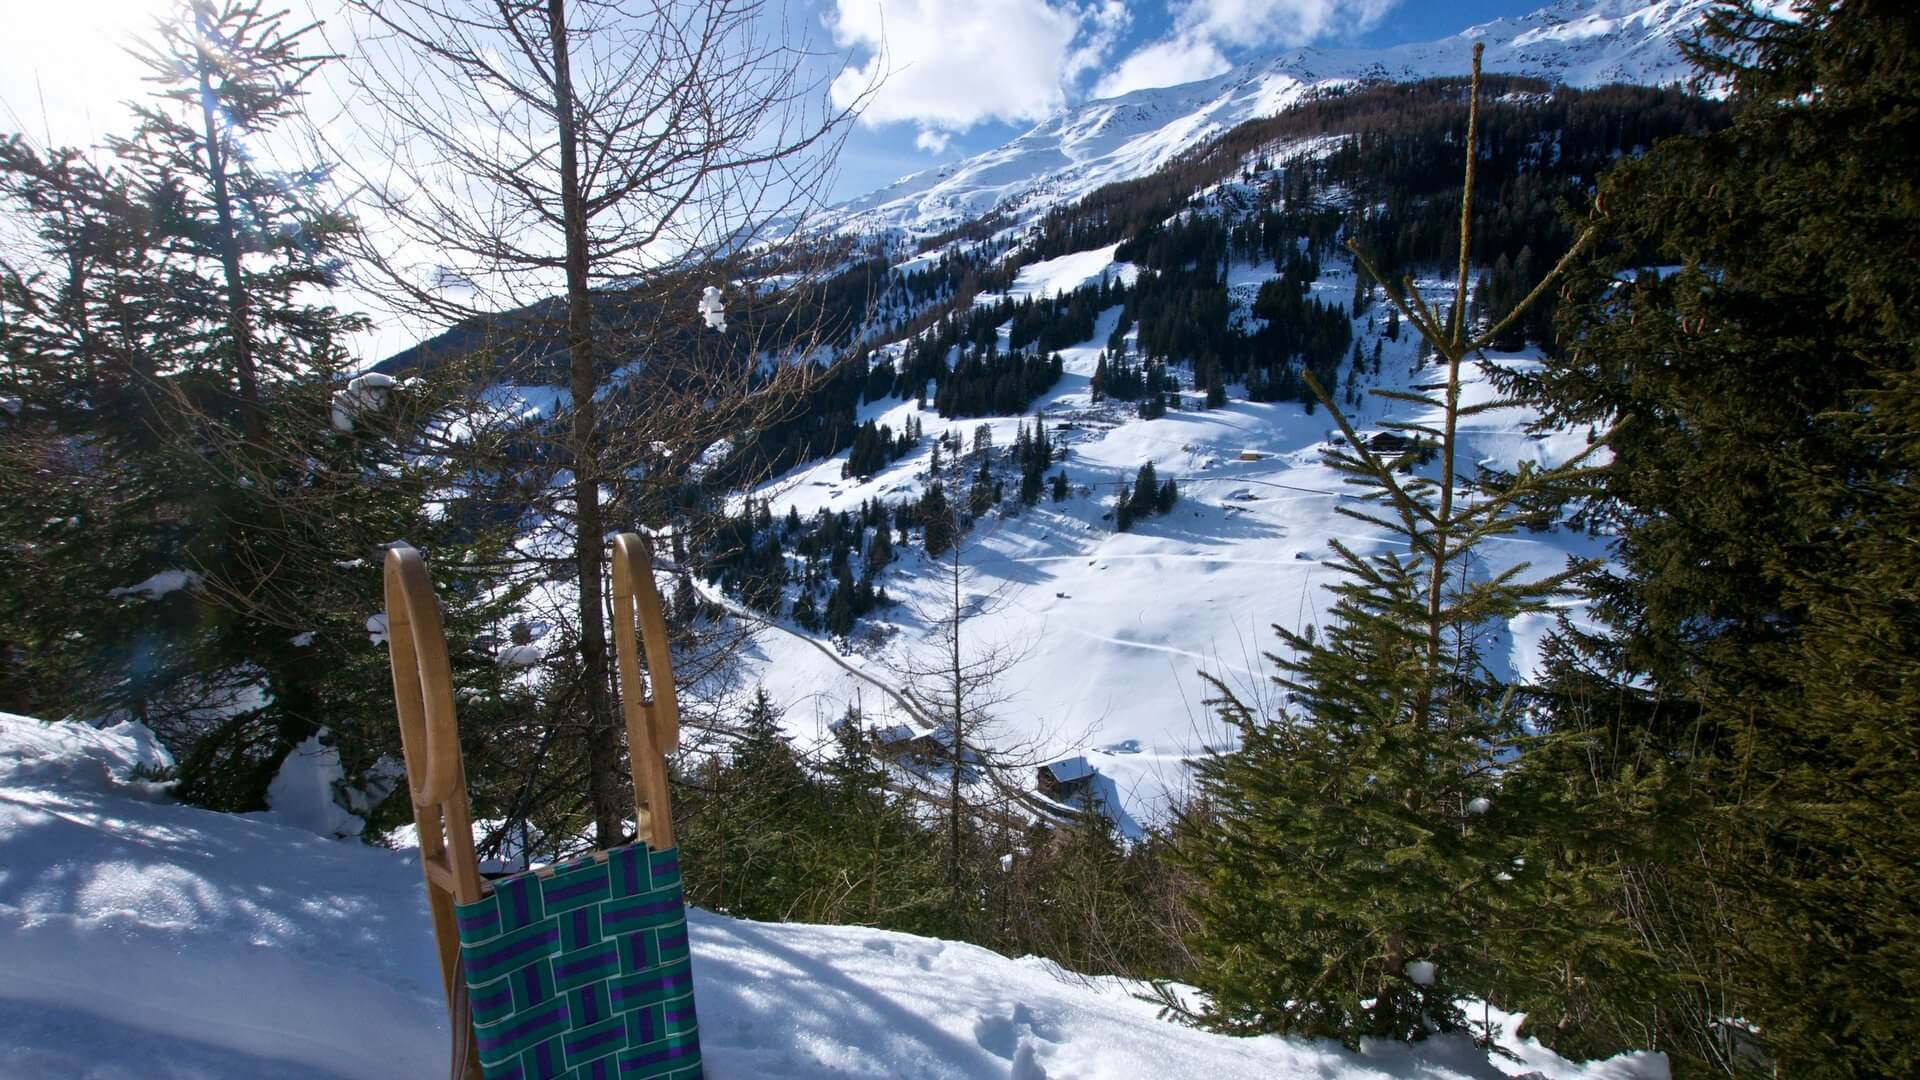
1580	43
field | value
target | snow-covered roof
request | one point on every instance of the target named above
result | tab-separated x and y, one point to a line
892	733
1068	769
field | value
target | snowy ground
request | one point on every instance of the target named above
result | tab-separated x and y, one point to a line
1114	629
142	939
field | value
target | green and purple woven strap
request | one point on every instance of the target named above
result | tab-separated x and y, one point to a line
583	973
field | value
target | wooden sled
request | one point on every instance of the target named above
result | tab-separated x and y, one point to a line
575	970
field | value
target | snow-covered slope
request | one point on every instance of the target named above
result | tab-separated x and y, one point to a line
1111	630
1576	42
141	939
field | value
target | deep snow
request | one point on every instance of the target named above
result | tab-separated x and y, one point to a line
142	939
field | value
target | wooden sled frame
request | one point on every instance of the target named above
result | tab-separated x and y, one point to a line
430	741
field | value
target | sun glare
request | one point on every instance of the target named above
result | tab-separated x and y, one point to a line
64	68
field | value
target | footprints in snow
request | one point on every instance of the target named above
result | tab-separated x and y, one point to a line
922	957
1014	1038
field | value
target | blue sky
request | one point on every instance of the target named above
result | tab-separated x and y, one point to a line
961	76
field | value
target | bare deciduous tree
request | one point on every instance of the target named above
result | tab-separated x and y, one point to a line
620	155
953	682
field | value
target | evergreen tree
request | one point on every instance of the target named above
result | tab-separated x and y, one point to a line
878	865
742	842
804	613
1030	485
839	617
981	496
1750	701
859	781
880	551
936	518
1356	855
1146	491
183	402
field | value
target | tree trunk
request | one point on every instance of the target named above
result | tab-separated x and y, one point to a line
603	733
239	324
956	751
1453	347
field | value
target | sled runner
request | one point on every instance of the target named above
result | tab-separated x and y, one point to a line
579	970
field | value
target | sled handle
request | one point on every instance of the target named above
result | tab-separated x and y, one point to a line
422	678
423	698
634	588
653	724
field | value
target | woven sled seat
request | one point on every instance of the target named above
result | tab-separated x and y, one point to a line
583	971
578	971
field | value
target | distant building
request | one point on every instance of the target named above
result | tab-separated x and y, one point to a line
910	745
1068	780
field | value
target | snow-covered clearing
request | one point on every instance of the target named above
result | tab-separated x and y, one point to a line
143	939
1057	277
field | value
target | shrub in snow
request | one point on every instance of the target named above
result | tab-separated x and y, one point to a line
307	792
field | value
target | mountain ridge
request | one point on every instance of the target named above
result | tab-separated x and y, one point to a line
1577	43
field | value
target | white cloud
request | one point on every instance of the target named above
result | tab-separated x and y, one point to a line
1104	23
947	65
1163	63
1276	22
1204	29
